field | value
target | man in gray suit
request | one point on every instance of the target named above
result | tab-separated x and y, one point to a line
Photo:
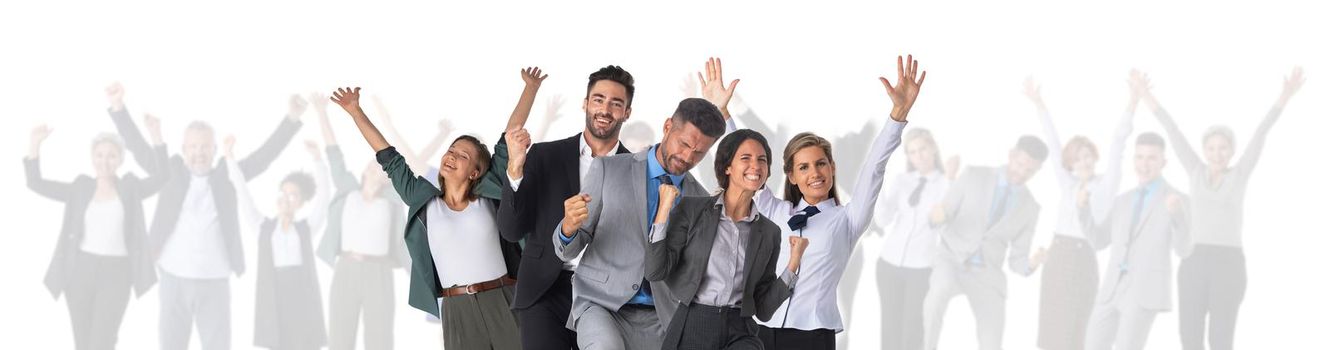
1144	225
613	306
985	211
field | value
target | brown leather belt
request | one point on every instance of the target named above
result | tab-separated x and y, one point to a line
478	287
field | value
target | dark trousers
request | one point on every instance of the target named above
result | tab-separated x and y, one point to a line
1211	285
796	339
705	327
1067	292
902	290
544	323
97	296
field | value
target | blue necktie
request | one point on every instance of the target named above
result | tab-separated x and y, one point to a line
800	219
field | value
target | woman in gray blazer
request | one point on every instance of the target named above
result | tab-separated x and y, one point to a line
717	253
100	253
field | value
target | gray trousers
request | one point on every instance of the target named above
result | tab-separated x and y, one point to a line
186	303
481	321
1119	325
902	290
361	288
631	328
989	306
97	295
1211	285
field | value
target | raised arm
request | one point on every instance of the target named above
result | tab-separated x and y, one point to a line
416	160
1191	161
124	125
258	161
323	188
1252	154
60	191
713	87
159	172
1101	197
516	137
250	218
411	188
868	185
349	100
1032	92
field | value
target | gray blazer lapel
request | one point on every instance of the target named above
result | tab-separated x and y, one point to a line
639	188
757	246
1151	206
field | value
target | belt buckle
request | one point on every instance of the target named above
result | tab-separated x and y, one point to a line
471	289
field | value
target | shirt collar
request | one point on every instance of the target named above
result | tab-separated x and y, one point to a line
584	149
1002	177
1152	186
752	212
654	168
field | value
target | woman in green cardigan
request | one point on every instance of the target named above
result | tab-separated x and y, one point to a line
451	231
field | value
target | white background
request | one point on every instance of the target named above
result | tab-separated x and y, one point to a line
810	67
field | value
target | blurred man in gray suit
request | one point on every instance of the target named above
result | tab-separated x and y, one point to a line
985	211
1144	225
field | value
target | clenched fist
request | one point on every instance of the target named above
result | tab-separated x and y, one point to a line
574	213
668	193
797	247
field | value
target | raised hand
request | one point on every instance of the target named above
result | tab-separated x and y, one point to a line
319	103
115	96
39	135
154	126
296	106
574	213
713	86
348	98
229	146
689	87
313	148
1292	84
518	141
1032	91
906	90
533	76
797	247
668	193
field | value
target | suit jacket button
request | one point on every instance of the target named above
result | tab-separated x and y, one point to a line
635	287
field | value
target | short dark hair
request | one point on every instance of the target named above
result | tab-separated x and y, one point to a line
303	181
615	74
730	145
1033	146
702	114
1150	139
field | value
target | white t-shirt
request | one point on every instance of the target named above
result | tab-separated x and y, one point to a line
465	244
104	228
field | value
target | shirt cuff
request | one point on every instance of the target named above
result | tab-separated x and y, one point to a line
565	240
657	232
514	183
789	278
730	126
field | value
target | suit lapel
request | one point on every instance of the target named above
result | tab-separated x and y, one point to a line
756	247
639	188
1149	208
571	165
708	238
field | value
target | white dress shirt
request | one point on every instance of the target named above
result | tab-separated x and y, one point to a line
104	228
195	248
831	235
285	242
365	225
1102	188
584	157
910	240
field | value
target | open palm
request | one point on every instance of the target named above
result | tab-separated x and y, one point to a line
906	90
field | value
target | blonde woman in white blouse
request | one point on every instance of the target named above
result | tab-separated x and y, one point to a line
810	209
